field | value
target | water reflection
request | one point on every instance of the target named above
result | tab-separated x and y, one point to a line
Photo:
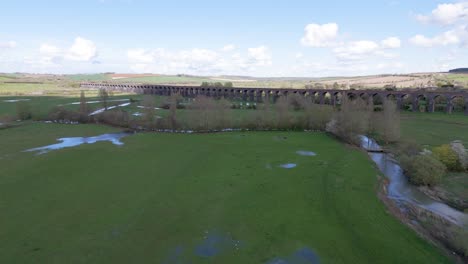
288	165
76	141
306	153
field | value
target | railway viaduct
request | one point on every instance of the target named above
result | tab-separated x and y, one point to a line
321	96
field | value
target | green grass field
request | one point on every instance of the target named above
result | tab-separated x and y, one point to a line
433	129
154	198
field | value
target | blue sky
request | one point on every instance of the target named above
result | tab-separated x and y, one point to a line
258	38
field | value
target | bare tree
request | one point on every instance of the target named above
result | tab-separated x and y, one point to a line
199	113
149	112
173	110
222	114
83	108
282	113
387	122
104	95
351	121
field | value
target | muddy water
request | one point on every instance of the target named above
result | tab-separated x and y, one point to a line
402	191
76	141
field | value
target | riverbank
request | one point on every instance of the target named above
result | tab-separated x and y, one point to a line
439	223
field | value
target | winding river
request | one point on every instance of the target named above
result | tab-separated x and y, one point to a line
401	191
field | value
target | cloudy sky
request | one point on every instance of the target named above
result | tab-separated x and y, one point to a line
257	38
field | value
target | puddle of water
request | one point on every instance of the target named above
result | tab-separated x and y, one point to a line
76	141
302	256
15	100
288	165
215	243
140	106
108	108
137	114
306	153
95	102
176	256
400	190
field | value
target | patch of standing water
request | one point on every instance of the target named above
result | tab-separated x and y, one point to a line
108	108
143	107
76	141
137	114
302	256
95	102
400	190
15	100
288	165
212	245
306	153
215	243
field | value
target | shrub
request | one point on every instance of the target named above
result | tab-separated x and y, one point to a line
115	117
59	113
458	147
423	169
407	148
23	110
448	157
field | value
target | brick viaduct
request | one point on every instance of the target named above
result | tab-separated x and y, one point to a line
322	96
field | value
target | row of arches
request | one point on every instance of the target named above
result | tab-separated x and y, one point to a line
418	100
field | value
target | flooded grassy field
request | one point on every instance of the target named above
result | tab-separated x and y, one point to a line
194	198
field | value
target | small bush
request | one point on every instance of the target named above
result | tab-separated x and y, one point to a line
448	157
115	117
423	169
23	110
407	148
59	113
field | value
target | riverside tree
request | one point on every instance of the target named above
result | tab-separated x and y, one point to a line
148	110
104	96
83	112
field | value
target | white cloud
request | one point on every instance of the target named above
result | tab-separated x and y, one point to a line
391	43
260	56
7	45
457	36
140	55
390	66
198	61
446	14
229	47
47	49
356	50
299	55
320	35
82	50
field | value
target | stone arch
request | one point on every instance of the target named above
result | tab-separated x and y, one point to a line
352	95
437	103
420	102
458	103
